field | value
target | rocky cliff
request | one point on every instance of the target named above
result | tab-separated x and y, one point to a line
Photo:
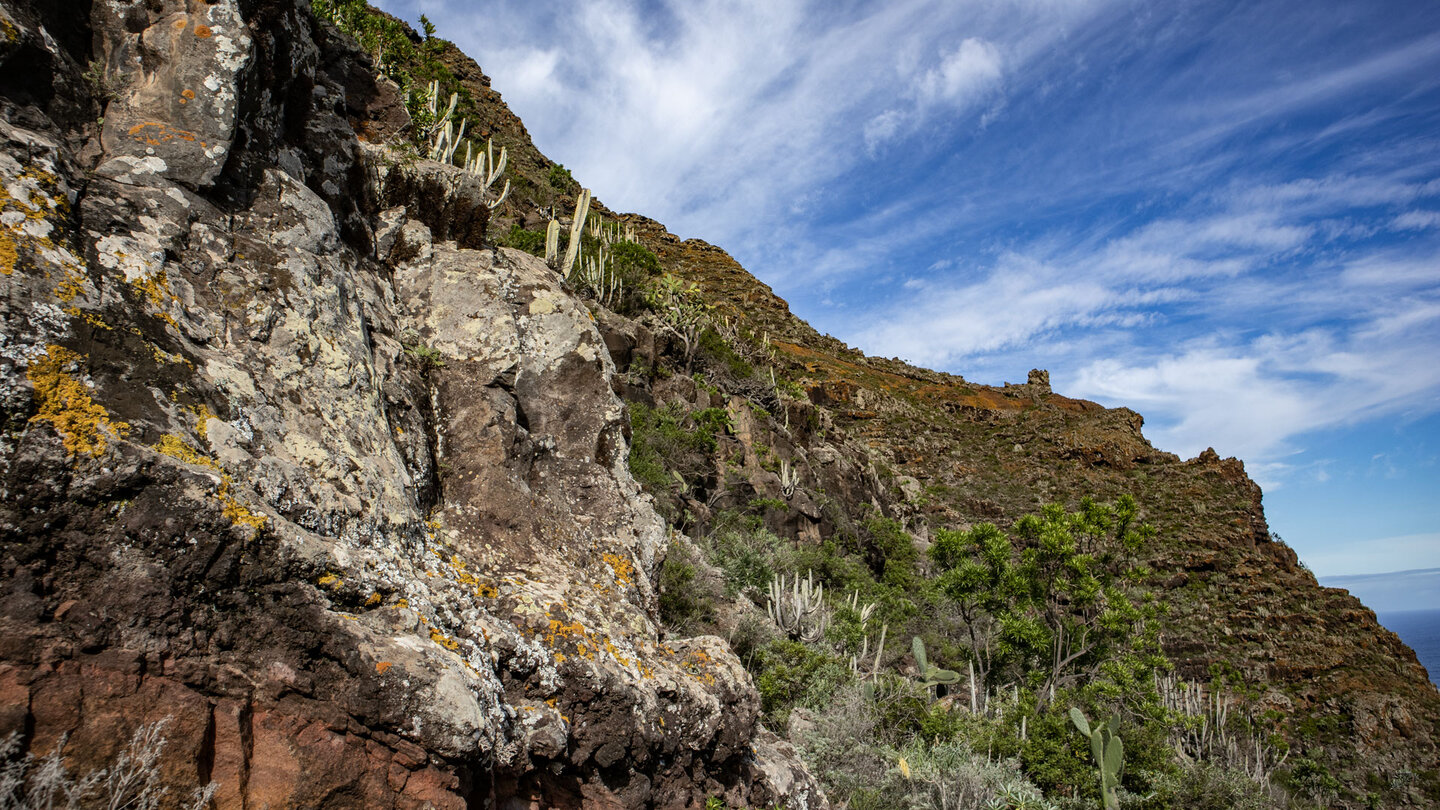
298	458
350	575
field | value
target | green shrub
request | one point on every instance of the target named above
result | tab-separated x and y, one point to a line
794	674
1202	786
388	42
749	555
532	242
1312	780
634	262
686	606
669	448
560	178
714	348
889	551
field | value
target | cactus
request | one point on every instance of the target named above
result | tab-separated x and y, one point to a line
789	478
484	166
438	132
800	609
930	676
552	242
577	227
1109	753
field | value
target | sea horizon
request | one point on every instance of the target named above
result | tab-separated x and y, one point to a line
1420	630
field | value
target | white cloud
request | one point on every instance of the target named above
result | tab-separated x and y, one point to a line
882	128
1254	398
1388	270
937	323
1416	221
714	116
1281	355
964	76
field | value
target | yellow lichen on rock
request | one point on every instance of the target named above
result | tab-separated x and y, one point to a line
624	570
231	507
238	513
27	205
8	254
85	426
175	447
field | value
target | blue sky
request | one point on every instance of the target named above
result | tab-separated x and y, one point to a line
1223	215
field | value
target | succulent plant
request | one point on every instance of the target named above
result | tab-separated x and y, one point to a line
799	610
930	676
1109	753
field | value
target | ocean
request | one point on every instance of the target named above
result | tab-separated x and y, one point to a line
1421	630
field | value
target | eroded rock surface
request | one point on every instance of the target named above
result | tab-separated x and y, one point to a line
299	464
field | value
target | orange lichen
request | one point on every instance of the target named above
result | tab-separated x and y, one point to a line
85	427
696	663
624	570
203	31
329	580
154	133
381	666
373	600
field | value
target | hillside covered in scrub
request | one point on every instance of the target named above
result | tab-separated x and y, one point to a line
355	456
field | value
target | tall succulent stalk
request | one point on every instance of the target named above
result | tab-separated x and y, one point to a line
552	242
577	227
484	166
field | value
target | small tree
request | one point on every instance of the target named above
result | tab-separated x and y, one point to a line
1048	605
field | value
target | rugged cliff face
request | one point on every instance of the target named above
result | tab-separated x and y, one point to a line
296	457
295	461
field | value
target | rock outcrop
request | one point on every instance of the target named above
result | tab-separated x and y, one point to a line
292	459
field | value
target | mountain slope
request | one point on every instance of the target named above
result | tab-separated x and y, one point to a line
298	459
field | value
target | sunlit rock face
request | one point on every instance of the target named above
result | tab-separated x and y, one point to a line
294	460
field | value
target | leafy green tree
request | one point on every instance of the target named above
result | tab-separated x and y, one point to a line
1048	606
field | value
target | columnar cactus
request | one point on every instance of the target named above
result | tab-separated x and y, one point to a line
577	228
1109	753
552	242
439	131
484	166
799	610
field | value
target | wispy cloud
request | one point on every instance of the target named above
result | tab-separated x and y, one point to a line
1207	323
713	115
1417	220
